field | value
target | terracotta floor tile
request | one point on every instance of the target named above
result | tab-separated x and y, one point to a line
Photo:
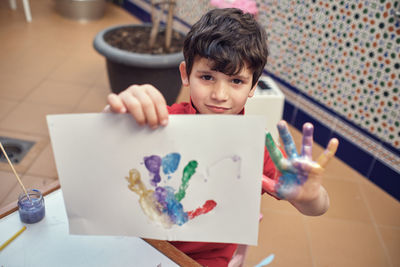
7	181
78	70
12	59
337	169
6	106
44	165
13	87
94	101
391	239
385	209
102	79
284	236
30	118
345	243
55	93
346	201
32	62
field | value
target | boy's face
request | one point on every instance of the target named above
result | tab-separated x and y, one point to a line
213	92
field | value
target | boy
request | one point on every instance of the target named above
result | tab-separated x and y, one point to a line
225	53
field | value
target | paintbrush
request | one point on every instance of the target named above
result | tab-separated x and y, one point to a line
12	167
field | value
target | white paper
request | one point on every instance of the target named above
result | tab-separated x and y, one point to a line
95	152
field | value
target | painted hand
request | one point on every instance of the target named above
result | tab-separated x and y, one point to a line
301	177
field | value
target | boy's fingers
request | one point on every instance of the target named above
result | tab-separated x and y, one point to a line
144	102
160	106
148	108
134	107
308	167
287	139
306	148
328	153
274	152
115	103
268	184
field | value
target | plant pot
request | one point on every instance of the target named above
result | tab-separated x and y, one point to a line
83	10
126	68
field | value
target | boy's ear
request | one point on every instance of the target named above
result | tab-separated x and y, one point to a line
184	76
251	93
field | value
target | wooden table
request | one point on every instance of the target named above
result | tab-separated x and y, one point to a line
163	246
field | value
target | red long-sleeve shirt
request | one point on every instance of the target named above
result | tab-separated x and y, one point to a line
213	254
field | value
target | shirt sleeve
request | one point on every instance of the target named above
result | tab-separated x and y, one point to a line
269	169
269	166
207	254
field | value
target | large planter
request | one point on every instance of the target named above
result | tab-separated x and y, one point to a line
82	10
126	68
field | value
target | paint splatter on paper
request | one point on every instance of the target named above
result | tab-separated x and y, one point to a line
163	204
235	159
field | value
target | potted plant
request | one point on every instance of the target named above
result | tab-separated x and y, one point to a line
144	53
83	10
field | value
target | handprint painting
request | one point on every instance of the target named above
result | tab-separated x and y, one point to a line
162	204
182	182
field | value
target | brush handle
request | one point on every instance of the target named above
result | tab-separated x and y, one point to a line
12	167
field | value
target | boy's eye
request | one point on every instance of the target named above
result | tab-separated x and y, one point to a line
206	77
237	81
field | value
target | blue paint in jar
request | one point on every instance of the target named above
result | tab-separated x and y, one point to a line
31	210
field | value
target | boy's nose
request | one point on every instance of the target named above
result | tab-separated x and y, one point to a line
220	91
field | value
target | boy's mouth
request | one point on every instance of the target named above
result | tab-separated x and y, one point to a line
217	109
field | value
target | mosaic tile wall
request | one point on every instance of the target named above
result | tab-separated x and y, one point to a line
337	61
343	54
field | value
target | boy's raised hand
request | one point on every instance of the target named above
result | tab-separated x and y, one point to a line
301	176
146	104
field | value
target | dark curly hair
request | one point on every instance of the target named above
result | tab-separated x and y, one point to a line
230	38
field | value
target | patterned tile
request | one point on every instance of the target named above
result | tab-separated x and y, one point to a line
343	54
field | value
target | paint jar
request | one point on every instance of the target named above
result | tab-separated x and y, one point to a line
31	210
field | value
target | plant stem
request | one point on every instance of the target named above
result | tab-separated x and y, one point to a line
155	24
168	34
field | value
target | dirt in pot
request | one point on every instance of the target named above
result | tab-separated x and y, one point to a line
136	39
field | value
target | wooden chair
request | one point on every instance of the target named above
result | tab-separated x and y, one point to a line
27	9
240	254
